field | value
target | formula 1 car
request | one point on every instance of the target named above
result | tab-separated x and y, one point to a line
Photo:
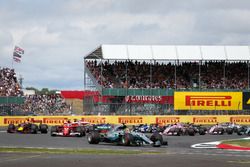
27	128
243	130
220	129
180	129
200	129
103	128
229	128
144	128
122	136
216	130
69	129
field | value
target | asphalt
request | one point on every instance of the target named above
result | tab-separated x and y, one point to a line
174	160
177	153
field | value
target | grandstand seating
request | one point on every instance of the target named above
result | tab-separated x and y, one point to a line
9	85
136	74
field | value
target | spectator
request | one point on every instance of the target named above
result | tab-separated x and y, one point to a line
9	85
135	74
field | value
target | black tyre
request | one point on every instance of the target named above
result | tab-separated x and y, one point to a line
44	128
157	139
229	131
191	132
202	131
81	131
93	137
178	131
11	128
248	133
221	131
127	139
33	129
53	129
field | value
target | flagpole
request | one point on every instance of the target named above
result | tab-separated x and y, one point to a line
12	59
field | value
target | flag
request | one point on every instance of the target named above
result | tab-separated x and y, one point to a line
17	54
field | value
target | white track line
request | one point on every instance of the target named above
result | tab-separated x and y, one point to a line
19	158
206	145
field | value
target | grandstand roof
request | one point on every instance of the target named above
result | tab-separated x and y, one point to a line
170	52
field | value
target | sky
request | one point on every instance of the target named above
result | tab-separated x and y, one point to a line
57	34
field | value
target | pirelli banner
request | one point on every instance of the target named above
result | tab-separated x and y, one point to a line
130	120
208	100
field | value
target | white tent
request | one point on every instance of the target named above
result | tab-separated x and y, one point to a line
171	52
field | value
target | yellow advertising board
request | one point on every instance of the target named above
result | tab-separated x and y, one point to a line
130	120
208	100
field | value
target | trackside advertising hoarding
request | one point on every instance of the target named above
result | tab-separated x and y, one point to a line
208	100
129	120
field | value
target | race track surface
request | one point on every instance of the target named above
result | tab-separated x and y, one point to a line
177	153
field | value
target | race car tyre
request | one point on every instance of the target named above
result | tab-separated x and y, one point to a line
127	139
43	128
229	131
220	131
33	129
191	132
53	129
240	131
81	131
93	137
202	131
177	131
157	139
11	128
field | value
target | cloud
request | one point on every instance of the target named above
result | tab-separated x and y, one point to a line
57	34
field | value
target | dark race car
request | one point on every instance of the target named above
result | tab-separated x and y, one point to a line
102	128
69	129
27	128
122	136
243	130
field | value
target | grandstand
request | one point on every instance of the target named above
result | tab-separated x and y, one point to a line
15	101
145	79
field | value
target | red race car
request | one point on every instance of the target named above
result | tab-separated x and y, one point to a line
69	129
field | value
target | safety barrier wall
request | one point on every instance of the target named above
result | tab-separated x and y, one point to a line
11	100
130	120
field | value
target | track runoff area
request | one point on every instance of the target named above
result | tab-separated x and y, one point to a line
64	151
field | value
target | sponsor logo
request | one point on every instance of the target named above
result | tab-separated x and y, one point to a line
208	101
130	120
95	120
54	120
205	120
19	120
246	100
145	99
240	119
14	120
167	120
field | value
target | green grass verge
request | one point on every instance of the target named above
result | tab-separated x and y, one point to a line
240	142
75	151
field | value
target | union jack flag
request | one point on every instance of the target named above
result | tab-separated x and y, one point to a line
17	54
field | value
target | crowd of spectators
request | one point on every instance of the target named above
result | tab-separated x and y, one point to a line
9	85
52	104
46	104
181	75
